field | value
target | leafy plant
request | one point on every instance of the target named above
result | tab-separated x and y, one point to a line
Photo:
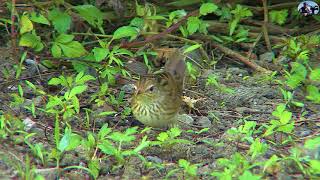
283	123
212	81
118	141
278	17
189	170
239	13
288	97
169	138
68	104
236	166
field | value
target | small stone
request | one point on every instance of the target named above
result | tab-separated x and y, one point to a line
267	57
207	72
128	88
28	124
185	118
154	159
204	121
238	71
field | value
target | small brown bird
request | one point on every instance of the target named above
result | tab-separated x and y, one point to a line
157	99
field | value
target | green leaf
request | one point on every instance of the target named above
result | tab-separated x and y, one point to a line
315	166
163	136
105	130
315	74
232	26
177	13
126	31
77	90
26	24
278	17
192	48
56	51
280	108
39	18
193	24
247	175
285	117
81	78
207	8
270	162
297	75
94	166
64	38
76	104
32	86
100	53
69	141
107	148
91	14
60	20
137	22
312	143
313	94
241	12
31	40
73	49
174	132
288	128
20	90
55	81
143	144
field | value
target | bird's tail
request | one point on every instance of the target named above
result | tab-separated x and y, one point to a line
176	66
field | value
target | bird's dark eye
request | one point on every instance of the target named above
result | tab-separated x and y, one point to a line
151	89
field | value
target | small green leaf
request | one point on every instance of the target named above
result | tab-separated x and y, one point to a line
207	8
26	24
81	78
193	24
77	90
137	22
39	18
20	90
285	117
73	49
60	20
104	131
315	74
247	175
126	31
177	13
100	53
55	81
107	148
31	40
91	14
313	94
278	17
64	38
192	48
56	51
315	166
312	143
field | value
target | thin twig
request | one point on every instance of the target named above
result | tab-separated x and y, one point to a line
13	33
240	57
160	35
254	45
264	26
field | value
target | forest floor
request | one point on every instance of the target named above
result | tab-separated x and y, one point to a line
212	127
